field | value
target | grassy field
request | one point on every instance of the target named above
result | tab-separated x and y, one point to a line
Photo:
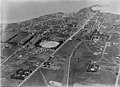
52	75
79	75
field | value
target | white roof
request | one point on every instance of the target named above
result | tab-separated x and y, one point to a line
49	44
55	83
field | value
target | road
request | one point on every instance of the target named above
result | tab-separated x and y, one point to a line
118	78
56	51
9	57
103	51
101	24
44	79
70	62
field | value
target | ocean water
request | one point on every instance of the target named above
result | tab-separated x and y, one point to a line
20	10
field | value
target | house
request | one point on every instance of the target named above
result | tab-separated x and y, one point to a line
93	67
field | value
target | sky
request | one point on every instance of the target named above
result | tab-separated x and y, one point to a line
20	10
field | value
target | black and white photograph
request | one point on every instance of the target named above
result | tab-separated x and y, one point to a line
60	43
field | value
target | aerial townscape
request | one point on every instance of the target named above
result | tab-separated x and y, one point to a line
77	49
